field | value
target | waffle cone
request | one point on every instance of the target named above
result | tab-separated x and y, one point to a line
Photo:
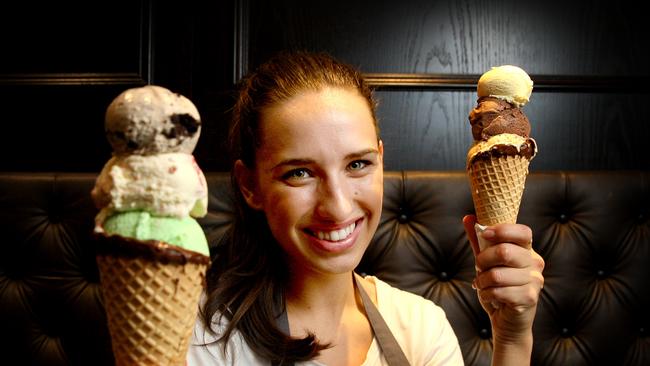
497	185
151	306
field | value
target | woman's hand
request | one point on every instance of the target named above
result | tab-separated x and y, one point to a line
508	281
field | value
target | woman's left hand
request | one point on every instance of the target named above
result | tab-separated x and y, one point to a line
509	279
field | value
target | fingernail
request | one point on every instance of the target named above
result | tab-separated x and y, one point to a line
488	233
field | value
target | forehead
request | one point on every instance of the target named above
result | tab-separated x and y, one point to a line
314	116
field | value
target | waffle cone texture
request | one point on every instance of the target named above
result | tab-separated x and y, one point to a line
151	306
497	186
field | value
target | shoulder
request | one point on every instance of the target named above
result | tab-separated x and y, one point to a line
419	326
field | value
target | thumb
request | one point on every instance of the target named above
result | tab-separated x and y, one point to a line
468	223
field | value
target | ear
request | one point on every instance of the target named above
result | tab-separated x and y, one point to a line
247	186
381	152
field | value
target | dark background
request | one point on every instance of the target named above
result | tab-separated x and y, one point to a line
61	65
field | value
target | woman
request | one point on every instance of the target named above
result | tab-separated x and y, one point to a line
308	172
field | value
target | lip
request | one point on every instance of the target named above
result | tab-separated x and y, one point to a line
338	246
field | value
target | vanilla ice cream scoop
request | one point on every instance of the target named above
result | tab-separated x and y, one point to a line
164	185
507	82
152	120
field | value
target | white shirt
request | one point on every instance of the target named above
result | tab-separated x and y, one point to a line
419	326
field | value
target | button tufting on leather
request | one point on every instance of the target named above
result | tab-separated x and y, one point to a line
54	212
8	275
403	215
564	218
46	267
54	217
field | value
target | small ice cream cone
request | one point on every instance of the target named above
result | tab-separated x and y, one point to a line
151	294
497	186
497	161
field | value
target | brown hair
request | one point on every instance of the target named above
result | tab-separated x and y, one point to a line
249	271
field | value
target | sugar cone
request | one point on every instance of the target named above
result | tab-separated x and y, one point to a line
497	185
151	304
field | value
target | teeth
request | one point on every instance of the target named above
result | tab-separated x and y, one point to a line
335	235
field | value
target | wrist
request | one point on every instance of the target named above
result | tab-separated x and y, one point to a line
512	349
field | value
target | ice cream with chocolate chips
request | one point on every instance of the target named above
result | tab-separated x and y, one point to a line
151	120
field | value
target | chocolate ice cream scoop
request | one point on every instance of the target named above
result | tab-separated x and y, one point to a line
493	116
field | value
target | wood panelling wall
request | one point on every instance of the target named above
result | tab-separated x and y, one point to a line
63	63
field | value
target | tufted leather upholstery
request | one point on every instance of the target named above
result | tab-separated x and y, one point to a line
592	228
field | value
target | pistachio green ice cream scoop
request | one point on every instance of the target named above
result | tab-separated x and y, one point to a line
183	232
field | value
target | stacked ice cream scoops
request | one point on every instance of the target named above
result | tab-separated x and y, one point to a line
497	161
152	254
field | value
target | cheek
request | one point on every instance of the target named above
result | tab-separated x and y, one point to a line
371	193
286	205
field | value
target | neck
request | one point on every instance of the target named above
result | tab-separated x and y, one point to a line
318	303
328	307
317	290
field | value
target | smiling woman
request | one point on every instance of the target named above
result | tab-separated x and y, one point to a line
308	174
318	176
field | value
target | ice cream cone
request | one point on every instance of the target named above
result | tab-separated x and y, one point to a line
497	185
151	293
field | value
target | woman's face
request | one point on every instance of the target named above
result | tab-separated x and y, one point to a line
318	178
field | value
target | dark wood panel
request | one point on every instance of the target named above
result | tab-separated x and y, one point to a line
53	110
430	130
596	83
52	39
588	60
68	61
194	55
54	128
459	37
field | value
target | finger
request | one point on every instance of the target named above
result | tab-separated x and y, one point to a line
468	223
518	234
508	255
506	277
511	296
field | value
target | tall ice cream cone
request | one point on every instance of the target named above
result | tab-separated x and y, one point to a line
152	254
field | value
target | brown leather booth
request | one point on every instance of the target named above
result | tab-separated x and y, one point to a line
592	228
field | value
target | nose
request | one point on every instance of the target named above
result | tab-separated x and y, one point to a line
335	199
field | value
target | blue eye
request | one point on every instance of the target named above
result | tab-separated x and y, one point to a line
297	174
358	164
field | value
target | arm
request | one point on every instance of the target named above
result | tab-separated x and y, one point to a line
508	281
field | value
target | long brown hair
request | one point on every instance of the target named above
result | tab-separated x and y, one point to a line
249	271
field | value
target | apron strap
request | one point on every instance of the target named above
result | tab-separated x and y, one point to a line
387	342
389	346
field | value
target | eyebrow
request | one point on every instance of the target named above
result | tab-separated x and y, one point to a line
350	156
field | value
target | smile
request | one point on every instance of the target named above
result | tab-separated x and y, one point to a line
336	235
